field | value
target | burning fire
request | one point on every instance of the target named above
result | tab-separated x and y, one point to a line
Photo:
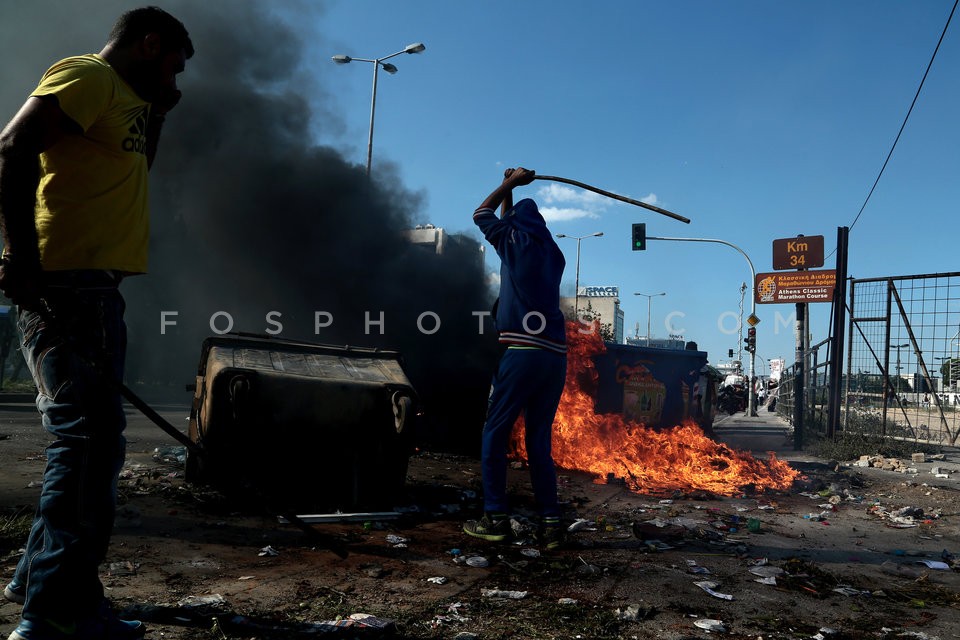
650	461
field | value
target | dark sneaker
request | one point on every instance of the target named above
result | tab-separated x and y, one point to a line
117	629
30	630
106	625
487	528
552	537
15	592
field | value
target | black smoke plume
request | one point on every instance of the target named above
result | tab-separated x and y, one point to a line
251	216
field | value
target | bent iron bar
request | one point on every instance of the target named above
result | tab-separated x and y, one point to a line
615	196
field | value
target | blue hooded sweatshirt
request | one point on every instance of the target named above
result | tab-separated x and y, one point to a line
531	265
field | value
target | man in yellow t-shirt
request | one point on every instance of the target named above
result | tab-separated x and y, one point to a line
74	218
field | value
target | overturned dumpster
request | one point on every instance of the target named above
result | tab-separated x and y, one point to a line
309	426
650	385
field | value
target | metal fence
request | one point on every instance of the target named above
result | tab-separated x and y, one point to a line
816	390
903	358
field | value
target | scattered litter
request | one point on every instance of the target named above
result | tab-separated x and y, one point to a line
246	577
693	567
268	551
817	517
850	591
709	588
500	593
635	612
567	601
173	454
770	580
904	518
438	580
122	569
399	542
767	571
581	524
452	615
710	625
530	553
665	502
824	633
478	561
212	600
934	564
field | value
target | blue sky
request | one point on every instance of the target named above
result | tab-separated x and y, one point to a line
756	120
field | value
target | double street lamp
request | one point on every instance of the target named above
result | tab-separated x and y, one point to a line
416	47
648	296
576	295
898	347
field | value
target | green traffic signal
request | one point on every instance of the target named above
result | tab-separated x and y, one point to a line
639	236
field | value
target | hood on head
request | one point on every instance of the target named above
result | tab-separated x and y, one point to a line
526	211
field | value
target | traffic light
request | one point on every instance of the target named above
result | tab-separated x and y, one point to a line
751	340
729	353
639	236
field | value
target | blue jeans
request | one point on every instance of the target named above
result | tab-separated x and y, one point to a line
72	350
528	381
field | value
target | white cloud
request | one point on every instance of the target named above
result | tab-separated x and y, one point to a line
562	203
558	194
555	214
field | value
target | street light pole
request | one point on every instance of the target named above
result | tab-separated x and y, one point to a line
576	293
751	393
416	47
898	347
648	296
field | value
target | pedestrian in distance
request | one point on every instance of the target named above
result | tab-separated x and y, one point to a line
74	217
531	372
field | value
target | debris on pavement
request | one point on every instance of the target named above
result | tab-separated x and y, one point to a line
502	593
709	587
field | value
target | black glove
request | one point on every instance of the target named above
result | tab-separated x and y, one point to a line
22	284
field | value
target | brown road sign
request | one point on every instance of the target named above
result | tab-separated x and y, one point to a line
795	286
802	252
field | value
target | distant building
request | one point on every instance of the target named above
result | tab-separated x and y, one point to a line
657	343
453	245
600	303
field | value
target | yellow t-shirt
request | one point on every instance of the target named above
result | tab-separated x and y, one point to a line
92	203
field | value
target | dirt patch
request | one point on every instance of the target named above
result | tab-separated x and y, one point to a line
194	564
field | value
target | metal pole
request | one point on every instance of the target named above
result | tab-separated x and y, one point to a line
839	324
798	381
576	286
373	107
649	298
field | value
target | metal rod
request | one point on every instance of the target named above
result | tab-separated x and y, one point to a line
614	196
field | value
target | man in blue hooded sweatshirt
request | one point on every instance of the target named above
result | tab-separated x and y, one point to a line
532	370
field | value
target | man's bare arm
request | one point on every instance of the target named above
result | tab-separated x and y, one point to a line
518	177
38	125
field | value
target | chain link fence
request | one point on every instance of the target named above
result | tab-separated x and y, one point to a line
903	358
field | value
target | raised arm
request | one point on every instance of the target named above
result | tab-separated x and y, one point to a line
503	194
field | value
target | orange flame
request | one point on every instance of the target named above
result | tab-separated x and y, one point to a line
650	461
